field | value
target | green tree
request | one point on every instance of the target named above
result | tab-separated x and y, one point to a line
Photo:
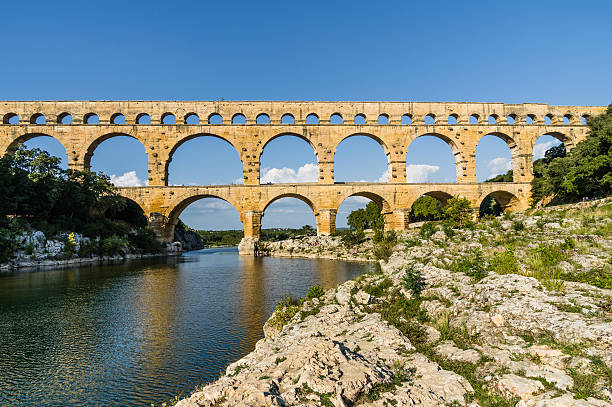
458	212
426	208
586	171
368	218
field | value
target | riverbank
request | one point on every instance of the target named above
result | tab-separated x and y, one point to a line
517	312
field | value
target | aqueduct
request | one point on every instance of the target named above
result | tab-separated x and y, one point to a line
80	126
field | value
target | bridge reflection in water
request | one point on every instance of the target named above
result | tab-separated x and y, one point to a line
139	333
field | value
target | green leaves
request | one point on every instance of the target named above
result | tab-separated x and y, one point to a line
586	171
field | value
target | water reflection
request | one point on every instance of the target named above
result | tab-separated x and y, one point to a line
139	333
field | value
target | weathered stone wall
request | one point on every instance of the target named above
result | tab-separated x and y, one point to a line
250	126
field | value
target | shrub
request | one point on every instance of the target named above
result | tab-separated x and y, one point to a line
448	230
504	262
518	225
427	230
113	245
471	265
316	291
414	281
284	311
378	289
352	238
543	261
458	212
145	240
383	251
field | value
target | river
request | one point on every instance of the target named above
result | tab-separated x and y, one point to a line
141	332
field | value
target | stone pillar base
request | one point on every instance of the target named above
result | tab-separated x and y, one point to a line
248	246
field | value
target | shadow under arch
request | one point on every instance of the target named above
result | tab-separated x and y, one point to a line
133	214
441	196
450	142
510	142
507	201
567	140
91	148
185	139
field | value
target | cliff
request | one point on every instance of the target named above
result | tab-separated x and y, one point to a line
189	239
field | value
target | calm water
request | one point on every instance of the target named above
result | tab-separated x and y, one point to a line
140	333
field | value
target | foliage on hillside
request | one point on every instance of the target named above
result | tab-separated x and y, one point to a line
585	172
39	195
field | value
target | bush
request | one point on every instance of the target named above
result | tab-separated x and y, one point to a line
352	238
113	245
284	311
518	225
414	281
427	230
145	240
504	262
448	230
458	212
316	291
383	251
471	265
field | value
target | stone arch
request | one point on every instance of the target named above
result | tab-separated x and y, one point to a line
262	118
566	139
8	117
91	118
379	200
64	118
168	118
287	118
456	151
164	225
515	151
371	136
506	200
359	118
191	118
383	118
13	145
453	118
278	135
91	147
215	118
312	118
383	203
143	118
191	137
117	118
239	118
36	117
302	198
441	196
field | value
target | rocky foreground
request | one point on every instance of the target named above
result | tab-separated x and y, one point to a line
516	312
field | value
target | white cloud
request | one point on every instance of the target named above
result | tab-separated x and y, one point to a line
384	177
499	165
540	149
129	179
307	173
419	172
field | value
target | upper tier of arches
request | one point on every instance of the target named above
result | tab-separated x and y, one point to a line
379	113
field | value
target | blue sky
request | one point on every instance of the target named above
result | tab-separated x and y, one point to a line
555	52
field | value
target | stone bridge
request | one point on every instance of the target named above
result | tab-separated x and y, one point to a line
163	126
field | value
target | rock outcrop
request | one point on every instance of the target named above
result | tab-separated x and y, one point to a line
509	315
189	239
